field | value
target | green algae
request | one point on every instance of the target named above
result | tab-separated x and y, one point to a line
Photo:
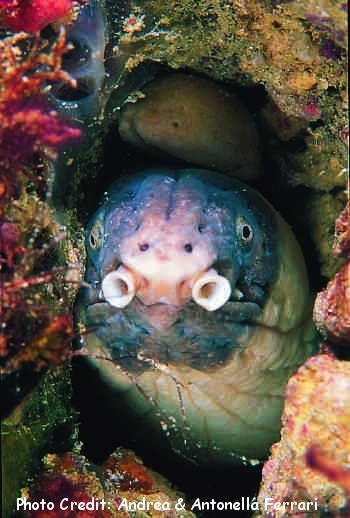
321	208
42	423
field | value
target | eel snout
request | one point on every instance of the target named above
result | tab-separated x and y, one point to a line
208	289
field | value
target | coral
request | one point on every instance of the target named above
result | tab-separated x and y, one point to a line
311	461
132	473
103	488
327	16
28	125
321	461
277	45
37	286
342	232
67	477
321	164
35	325
331	310
36	332
9	248
31	15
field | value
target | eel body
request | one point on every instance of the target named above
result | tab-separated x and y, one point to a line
196	311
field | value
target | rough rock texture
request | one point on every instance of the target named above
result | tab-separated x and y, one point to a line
332	306
311	461
121	480
331	311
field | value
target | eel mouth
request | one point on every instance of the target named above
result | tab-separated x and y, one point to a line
207	289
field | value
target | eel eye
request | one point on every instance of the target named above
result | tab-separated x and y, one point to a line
188	248
247	233
244	231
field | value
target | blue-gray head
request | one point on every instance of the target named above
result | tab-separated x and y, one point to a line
173	244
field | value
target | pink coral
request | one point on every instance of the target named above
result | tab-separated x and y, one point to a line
54	489
331	310
31	15
27	124
342	232
122	476
30	331
9	247
29	129
312	111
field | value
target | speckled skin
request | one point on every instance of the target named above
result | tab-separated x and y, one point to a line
196	120
214	379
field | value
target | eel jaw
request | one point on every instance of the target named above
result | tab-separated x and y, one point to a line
208	289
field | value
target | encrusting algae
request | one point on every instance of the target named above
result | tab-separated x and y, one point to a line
332	306
311	461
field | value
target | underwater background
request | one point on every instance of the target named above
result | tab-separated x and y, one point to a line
71	73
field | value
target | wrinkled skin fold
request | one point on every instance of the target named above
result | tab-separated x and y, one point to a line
212	378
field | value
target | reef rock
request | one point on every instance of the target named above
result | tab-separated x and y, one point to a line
332	306
120	487
311	461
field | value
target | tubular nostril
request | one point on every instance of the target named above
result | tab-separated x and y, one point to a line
211	291
143	247
118	287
